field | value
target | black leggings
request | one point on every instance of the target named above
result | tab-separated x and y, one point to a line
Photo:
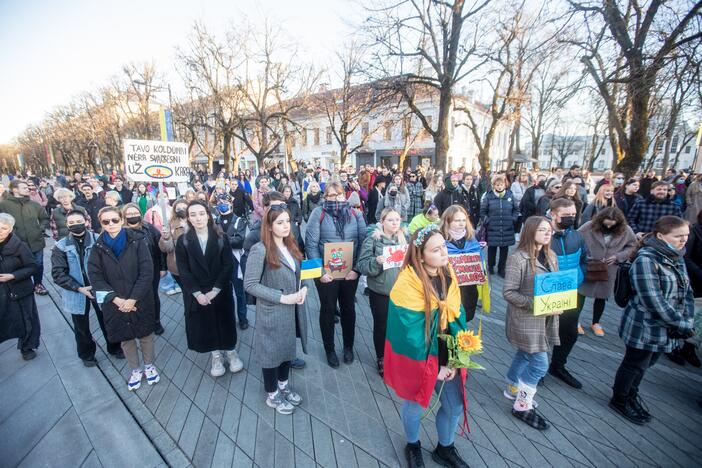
492	254
379	304
631	371
568	334
273	375
598	307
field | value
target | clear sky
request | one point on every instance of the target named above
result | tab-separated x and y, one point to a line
51	51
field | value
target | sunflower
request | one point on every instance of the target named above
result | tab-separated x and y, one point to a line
468	341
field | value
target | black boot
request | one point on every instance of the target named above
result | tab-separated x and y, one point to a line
448	456
381	367
676	357
625	408
565	376
689	353
638	404
348	355
332	359
413	454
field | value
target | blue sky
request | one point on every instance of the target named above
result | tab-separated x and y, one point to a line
51	51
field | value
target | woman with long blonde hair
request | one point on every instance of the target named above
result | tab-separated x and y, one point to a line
424	303
603	199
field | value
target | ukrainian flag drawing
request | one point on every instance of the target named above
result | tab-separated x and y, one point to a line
311	269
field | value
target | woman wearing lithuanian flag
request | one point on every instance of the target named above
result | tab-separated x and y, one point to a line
424	303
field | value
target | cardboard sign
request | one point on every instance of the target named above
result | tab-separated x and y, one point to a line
555	292
468	268
338	258
394	255
156	161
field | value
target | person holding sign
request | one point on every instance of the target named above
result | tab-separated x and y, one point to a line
388	240
461	242
273	277
425	303
531	334
335	222
572	253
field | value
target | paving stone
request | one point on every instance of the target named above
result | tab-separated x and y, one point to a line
224	451
343	449
191	431
302	460
241	459
246	437
91	461
51	447
323	444
206	444
265	444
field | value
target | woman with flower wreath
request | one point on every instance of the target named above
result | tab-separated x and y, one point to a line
425	303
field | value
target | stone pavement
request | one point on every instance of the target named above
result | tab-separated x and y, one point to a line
56	412
349	418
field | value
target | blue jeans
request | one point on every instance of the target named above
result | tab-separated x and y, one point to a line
240	298
39	272
527	367
446	418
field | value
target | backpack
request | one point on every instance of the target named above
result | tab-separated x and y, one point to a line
623	291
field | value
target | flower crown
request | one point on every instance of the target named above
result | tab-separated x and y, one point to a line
423	233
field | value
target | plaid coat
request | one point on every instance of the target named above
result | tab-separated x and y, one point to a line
662	298
416	199
525	331
647	211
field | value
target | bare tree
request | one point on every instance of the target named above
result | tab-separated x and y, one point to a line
437	37
629	44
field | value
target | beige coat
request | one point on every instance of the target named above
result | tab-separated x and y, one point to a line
693	198
621	246
525	331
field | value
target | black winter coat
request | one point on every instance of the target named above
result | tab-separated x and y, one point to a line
127	277
693	259
18	310
152	236
212	327
295	211
93	206
241	201
498	215
472	204
527	207
447	197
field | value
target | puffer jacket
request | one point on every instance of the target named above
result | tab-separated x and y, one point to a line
379	281
569	246
31	220
662	300
321	229
499	214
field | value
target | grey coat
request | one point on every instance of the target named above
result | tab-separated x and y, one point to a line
525	331
621	246
276	323
321	229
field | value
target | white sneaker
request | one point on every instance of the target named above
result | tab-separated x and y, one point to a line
135	380
235	364
152	376
172	292
217	366
280	404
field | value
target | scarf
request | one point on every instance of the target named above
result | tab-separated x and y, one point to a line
340	214
457	234
116	244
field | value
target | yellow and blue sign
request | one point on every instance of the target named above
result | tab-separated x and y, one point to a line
555	292
311	268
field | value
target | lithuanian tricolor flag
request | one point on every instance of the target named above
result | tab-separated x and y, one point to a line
411	362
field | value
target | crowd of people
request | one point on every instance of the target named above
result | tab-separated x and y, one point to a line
228	241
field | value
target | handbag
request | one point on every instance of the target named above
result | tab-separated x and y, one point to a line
481	233
597	270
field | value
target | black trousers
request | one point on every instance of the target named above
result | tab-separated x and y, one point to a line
492	254
329	293
273	375
469	299
631	371
568	333
379	304
85	345
157	300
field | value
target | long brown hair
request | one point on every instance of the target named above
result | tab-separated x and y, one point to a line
613	214
447	218
272	251
527	242
565	186
210	221
414	259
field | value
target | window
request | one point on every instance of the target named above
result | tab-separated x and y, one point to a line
364	130
688	148
659	145
674	144
303	134
600	164
329	135
387	132
316	136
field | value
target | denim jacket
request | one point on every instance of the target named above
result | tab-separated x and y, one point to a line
66	271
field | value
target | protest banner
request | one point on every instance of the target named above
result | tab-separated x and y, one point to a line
555	292
393	256
338	258
468	268
156	161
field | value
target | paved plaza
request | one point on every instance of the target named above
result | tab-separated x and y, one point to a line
55	412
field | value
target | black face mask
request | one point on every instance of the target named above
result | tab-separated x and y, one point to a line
392	193
566	222
133	220
608	230
77	229
180	213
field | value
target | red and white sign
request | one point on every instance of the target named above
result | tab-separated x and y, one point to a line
394	255
468	268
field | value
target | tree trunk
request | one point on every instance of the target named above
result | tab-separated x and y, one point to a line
441	145
441	139
227	137
640	92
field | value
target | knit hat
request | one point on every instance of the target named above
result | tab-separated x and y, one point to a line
552	182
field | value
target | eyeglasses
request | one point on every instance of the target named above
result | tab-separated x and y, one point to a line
107	222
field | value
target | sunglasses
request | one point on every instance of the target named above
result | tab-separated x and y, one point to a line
279	206
107	222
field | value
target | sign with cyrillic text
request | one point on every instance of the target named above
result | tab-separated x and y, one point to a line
468	268
555	292
156	161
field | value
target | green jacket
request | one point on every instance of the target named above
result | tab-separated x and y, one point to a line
31	220
379	281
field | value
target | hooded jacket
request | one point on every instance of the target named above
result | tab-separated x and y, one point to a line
31	220
450	195
380	281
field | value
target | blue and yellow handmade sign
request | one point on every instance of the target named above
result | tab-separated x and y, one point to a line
555	292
